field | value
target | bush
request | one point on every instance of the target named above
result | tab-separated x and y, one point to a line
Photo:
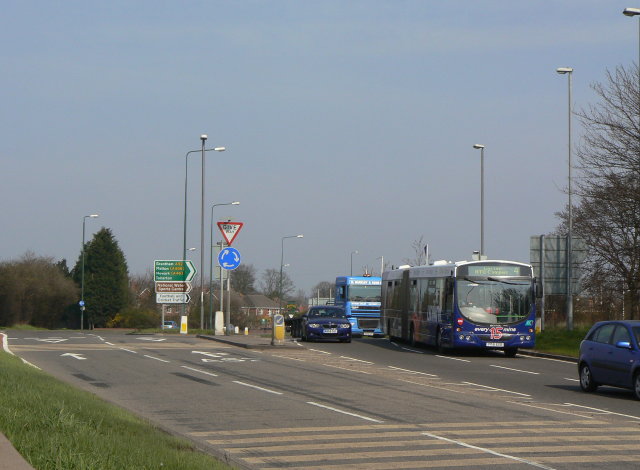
135	318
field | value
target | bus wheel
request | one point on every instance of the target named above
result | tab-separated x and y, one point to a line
511	352
439	345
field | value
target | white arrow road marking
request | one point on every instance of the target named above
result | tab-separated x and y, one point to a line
210	354
77	356
49	340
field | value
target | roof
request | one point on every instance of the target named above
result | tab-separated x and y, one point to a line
258	300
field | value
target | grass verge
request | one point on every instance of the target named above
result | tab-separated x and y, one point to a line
55	426
560	341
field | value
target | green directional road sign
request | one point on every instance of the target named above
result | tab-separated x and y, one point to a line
173	271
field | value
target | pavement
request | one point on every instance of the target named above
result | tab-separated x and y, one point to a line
254	340
10	458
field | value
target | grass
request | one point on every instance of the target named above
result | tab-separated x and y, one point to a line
55	426
560	341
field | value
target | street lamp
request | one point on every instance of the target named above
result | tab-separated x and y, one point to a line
481	147
184	231
281	265
211	325
569	72
84	219
352	253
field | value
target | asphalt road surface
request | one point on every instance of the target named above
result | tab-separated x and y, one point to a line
371	404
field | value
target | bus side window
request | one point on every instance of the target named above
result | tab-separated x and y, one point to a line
341	292
448	292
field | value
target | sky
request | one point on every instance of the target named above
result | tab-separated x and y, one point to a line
350	122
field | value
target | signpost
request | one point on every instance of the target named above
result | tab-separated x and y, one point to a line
229	258
173	287
230	230
173	281
172	298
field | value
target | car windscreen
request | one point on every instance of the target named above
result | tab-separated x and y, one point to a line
327	313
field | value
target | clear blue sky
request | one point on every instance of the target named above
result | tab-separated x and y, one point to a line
351	122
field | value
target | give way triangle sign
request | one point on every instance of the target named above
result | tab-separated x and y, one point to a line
230	230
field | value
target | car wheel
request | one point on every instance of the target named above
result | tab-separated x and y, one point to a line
511	352
586	379
636	384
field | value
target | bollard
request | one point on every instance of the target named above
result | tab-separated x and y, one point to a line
183	324
277	330
246	330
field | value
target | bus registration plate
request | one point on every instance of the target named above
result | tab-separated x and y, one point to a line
329	331
495	345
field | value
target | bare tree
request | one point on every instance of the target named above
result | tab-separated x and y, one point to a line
608	214
420	250
243	279
323	289
271	284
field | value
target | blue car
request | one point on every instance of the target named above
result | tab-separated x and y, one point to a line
610	355
326	322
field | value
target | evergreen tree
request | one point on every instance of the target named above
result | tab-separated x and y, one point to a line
106	278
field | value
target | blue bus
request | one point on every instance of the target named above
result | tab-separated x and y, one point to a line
469	304
360	298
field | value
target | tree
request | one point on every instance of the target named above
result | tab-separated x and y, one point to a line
106	289
608	214
323	289
421	251
35	290
271	284
243	279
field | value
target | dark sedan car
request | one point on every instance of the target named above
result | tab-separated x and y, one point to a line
326	322
610	355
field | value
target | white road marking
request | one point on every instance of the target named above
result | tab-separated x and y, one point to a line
76	356
412	350
323	352
453	358
411	371
603	411
572	380
129	350
151	339
155	358
257	388
516	370
488	451
356	360
494	389
344	412
201	371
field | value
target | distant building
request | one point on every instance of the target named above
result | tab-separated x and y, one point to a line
258	305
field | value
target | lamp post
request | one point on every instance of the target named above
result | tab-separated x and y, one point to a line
184	231
84	219
211	325
569	72
352	253
281	266
481	147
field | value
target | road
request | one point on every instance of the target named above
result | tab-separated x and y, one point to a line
369	404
